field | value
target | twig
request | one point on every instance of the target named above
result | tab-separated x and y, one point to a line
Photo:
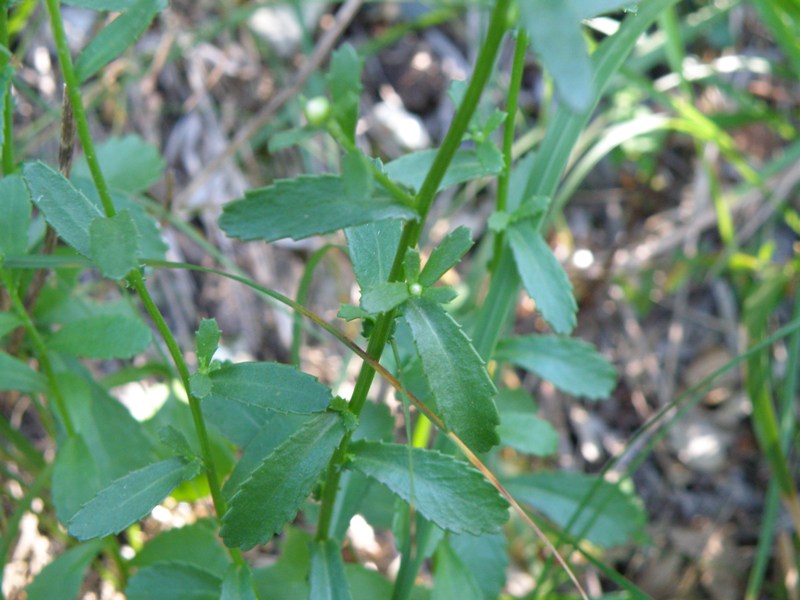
343	18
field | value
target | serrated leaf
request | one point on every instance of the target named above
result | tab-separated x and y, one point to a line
67	210
195	544
238	584
207	340
570	364
372	249
17	375
440	295
448	492
384	296
173	581
173	438
609	518
116	37
130	498
16	213
452	578
543	277
411	169
267	386
456	375
304	206
102	336
114	243
344	82
62	578
555	34
486	557
445	256
274	492
327	579
129	164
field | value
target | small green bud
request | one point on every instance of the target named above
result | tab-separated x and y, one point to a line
415	289
317	111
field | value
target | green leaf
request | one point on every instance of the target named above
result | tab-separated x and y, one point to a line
448	492
207	341
6	76
609	517
8	323
543	276
173	581
356	175
287	578
130	498
290	137
102	336
555	34
445	256
268	386
372	249
129	163
115	5
410	169
384	296
173	438
116	37
75	477
17	375
238	584
305	206
455	373
114	243
452	578
486	557
62	578
68	211
327	578
570	364
16	213
195	544
274	492
528	434
586	9
344	82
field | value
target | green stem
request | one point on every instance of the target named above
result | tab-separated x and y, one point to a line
409	238
41	350
134	277
512	105
8	104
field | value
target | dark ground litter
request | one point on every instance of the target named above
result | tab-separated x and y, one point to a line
643	231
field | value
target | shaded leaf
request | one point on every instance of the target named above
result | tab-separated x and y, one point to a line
75	477
116	37
302	207
8	323
570	364
383	297
274	492
452	579
62	578
344	82
16	211
129	163
288	577
6	76
448	492
356	174
485	557
411	169
372	249
207	342
115	5
446	255
114	243
456	375
130	498
173	581
609	517
267	386
67	210
327	579
586	9
543	277
528	434
17	375
238	584
102	336
195	544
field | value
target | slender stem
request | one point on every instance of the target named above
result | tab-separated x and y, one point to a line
409	238
8	104
134	277
41	350
512	106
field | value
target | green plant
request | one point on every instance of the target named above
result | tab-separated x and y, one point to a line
265	440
